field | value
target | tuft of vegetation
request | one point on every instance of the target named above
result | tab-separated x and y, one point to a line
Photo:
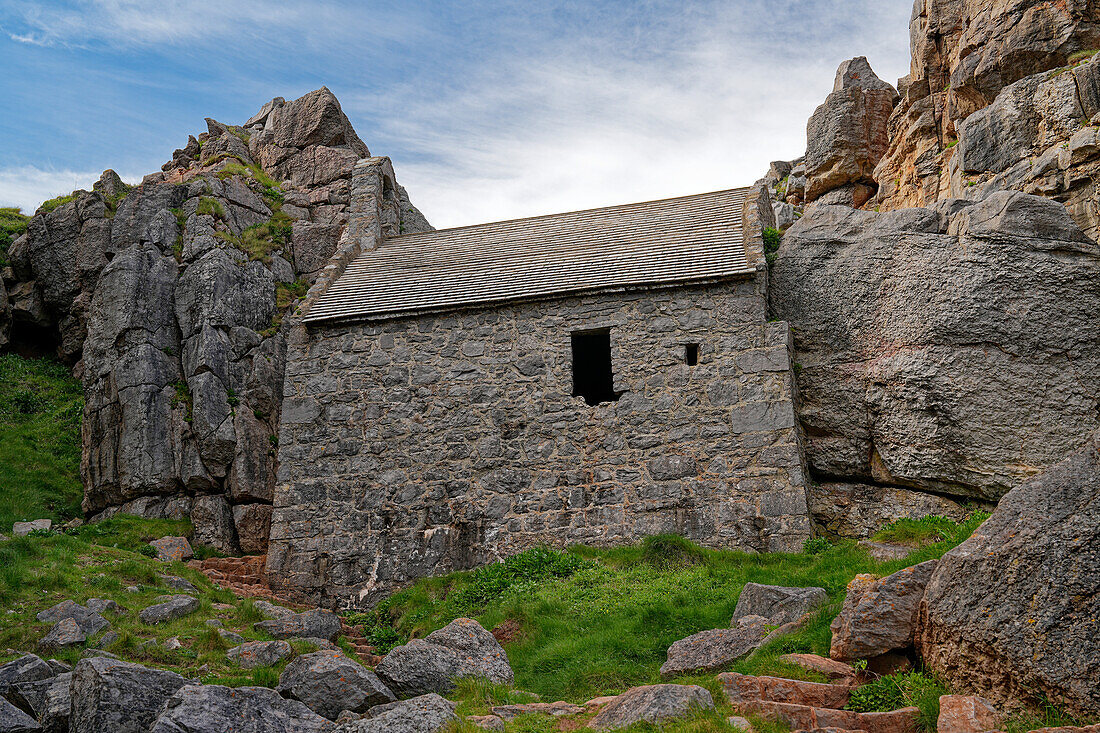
182	398
771	237
40	411
253	172
261	240
112	202
928	530
13	222
671	551
1081	57
816	545
904	689
210	206
50	205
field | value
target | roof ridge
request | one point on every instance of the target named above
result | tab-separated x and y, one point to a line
612	207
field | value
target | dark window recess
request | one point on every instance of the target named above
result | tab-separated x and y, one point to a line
592	375
691	354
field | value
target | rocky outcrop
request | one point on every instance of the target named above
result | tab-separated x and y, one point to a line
169	297
778	604
1013	613
462	648
846	136
652	704
930	341
963	55
214	709
328	683
714	649
109	694
859	510
879	615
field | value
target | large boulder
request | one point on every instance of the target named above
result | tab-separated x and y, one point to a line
27	668
1013	613
714	649
742	688
14	720
169	608
121	697
879	615
651	704
847	135
48	700
254	654
89	621
930	340
778	604
329	683
215	709
422	714
460	649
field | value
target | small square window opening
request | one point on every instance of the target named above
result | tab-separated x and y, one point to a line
691	354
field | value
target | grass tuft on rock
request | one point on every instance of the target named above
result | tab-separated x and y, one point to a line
57	201
13	222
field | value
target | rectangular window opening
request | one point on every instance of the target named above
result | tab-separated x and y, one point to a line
593	378
691	354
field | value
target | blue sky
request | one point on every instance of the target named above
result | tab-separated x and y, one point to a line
489	110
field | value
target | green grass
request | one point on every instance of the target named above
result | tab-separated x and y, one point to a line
1082	56
771	238
210	206
920	532
605	621
50	205
100	561
40	411
898	691
13	222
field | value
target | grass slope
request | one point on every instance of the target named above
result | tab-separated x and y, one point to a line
40	412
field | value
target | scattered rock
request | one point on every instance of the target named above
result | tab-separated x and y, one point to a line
28	668
169	609
329	683
103	605
231	637
967	714
217	709
48	700
214	623
175	581
460	649
269	610
171	549
121	697
778	604
22	529
65	633
107	639
486	722
742	688
879	616
736	721
883	551
14	720
553	709
652	704
89	621
254	654
804	717
172	643
317	622
1013	612
317	642
714	649
423	714
831	668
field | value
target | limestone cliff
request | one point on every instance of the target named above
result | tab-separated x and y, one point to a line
169	300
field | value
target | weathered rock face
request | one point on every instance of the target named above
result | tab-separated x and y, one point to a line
213	709
328	683
1013	613
879	615
169	299
424	714
860	510
930	341
109	694
846	136
963	54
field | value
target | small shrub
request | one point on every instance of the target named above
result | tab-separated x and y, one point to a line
50	205
816	545
771	238
182	397
670	550
232	398
900	690
209	206
12	224
148	551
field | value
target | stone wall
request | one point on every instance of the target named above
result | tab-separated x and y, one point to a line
420	446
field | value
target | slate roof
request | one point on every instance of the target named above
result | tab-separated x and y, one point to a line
670	241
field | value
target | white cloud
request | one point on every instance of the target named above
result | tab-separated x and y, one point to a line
579	124
28	186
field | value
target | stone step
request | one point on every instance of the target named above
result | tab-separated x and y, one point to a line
806	717
743	688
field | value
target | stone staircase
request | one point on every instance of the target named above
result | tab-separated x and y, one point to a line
245	577
810	705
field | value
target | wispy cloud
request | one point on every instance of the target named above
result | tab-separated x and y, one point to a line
28	186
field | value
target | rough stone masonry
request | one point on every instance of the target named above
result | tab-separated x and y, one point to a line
418	445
